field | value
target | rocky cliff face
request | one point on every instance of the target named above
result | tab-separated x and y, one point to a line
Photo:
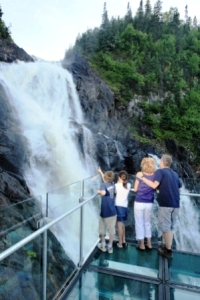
109	120
10	52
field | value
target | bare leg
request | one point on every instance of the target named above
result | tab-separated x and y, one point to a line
141	245
120	232
102	237
124	234
111	238
168	238
149	243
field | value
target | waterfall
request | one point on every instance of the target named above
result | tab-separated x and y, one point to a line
187	233
60	148
118	151
107	160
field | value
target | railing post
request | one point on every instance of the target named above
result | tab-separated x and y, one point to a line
81	225
47	204
44	256
44	268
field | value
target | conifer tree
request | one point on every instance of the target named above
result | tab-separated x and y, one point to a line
128	16
104	30
1	13
4	30
140	17
148	9
156	20
195	23
147	16
186	13
105	19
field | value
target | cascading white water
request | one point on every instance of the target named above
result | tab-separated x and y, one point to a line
187	233
106	148
118	151
45	99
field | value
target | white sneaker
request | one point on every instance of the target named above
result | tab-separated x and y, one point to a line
119	245
101	247
110	250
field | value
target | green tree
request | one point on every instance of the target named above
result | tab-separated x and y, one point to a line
4	30
156	20
128	16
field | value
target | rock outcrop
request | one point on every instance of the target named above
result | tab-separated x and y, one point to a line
10	52
109	120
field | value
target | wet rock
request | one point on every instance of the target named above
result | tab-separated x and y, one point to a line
10	52
109	121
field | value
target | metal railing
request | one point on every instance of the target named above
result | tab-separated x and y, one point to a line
43	231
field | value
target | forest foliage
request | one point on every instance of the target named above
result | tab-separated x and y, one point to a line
151	53
4	30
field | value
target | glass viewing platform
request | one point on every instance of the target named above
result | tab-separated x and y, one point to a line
48	250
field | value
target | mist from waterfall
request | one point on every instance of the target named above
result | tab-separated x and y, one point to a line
46	103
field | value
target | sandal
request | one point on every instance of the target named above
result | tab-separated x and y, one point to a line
138	248
148	248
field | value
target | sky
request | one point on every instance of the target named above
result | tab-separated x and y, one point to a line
47	28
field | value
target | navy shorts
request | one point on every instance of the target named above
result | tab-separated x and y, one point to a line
122	213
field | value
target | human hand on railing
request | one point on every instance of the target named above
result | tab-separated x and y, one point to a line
99	170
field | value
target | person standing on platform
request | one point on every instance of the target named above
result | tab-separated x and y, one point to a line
168	183
143	204
108	214
122	189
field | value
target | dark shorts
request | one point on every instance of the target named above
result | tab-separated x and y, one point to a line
122	213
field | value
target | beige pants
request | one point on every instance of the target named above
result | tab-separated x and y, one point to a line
107	224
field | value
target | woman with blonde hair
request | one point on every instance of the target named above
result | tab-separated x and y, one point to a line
143	204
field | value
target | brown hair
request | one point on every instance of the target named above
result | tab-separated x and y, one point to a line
109	176
148	165
167	160
124	176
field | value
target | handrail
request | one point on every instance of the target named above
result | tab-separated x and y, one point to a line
29	238
190	194
43	230
16	226
33	235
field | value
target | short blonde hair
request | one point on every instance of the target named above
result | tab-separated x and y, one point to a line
109	176
166	160
148	165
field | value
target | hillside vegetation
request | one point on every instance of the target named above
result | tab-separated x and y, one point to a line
151	53
4	30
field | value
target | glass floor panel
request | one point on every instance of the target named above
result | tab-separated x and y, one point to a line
178	294
129	260
93	285
185	268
